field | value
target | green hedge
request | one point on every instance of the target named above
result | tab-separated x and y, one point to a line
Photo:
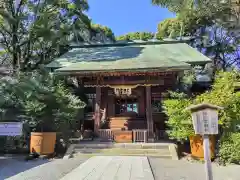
229	151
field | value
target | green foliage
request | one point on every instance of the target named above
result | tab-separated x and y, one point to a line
174	5
136	36
169	28
221	94
34	32
40	100
106	30
207	21
179	120
190	19
229	148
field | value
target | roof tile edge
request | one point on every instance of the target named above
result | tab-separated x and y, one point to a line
133	42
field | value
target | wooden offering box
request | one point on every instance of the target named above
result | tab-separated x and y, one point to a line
123	136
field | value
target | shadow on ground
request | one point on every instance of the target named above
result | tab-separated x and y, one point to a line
11	166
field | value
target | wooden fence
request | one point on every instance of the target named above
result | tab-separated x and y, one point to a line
106	134
139	135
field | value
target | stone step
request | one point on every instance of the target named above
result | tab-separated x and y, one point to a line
117	154
120	150
107	145
163	153
161	150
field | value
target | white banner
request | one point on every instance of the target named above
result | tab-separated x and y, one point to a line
11	128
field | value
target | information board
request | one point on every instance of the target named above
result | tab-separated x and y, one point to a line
10	128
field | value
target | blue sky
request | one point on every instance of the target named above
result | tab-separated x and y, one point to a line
124	16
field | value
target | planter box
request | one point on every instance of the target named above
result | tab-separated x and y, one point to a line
43	143
123	136
196	143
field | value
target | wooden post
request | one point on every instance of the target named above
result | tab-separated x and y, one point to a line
149	113
205	122
97	110
208	166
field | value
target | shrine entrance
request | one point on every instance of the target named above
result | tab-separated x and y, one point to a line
125	100
127	105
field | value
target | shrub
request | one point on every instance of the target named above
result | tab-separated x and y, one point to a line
179	120
222	94
229	151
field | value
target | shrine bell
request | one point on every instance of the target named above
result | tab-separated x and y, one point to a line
205	118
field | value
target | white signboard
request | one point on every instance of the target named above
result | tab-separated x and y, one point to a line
205	122
10	129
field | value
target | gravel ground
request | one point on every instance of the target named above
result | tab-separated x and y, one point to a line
164	169
18	169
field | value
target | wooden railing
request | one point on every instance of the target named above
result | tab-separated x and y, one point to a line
106	134
139	135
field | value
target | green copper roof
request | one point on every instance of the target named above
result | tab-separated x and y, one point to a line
138	56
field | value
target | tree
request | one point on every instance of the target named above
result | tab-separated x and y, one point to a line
222	46
136	36
33	32
97	28
170	27
207	23
95	32
174	5
40	100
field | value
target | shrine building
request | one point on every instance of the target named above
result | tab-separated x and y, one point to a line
125	83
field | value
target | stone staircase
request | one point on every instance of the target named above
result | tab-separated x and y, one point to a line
160	150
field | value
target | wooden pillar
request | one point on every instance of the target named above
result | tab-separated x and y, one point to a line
149	114
141	100
110	103
97	110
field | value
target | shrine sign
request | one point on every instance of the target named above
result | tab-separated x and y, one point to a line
11	128
205	122
123	90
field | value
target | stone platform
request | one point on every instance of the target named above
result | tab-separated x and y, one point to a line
112	167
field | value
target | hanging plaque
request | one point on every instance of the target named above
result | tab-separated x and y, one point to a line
123	91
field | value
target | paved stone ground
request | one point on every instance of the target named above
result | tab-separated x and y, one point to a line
112	168
183	170
163	169
18	169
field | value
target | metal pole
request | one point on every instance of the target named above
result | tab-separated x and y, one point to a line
208	166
